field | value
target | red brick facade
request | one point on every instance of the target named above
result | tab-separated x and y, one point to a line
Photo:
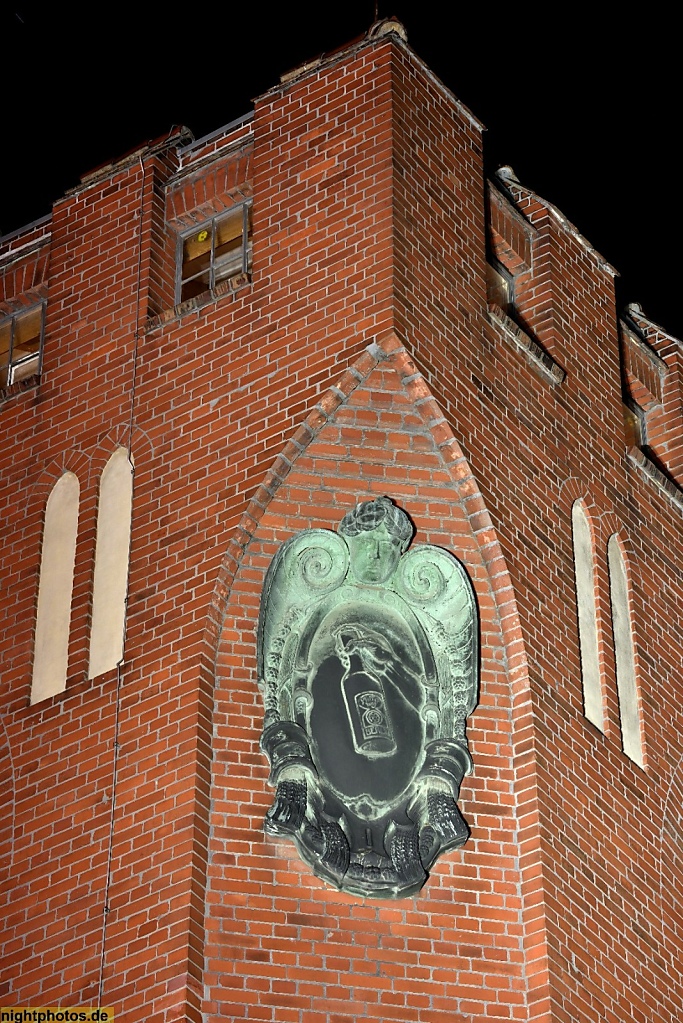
359	357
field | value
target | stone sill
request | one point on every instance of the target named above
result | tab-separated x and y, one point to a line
520	340
19	387
672	490
229	287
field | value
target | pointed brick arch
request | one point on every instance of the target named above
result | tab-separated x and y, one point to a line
139	444
392	353
448	509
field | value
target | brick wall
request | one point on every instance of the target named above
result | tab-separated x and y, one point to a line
281	943
360	359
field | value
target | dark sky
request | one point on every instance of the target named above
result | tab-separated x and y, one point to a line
586	109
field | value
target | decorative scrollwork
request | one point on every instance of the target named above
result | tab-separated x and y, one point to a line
368	655
273	661
316	565
321	567
420	578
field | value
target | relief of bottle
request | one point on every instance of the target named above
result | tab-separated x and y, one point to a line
365	700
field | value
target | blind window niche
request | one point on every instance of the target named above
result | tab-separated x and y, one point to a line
58	555
112	551
624	653
584	575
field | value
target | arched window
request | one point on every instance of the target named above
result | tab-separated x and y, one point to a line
110	582
629	713
584	573
58	556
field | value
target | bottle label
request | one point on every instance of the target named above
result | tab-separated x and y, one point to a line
373	717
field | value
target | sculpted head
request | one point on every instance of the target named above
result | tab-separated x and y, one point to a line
377	533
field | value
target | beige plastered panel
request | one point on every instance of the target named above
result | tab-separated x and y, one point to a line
584	574
110	581
624	653
51	655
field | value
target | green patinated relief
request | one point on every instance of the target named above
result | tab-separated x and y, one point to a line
369	667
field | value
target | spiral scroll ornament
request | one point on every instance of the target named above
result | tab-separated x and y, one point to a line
321	566
420	578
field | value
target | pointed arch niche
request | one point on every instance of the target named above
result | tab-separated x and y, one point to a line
57	561
624	653
322	472
584	575
110	580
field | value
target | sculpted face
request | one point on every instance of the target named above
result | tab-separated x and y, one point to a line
375	554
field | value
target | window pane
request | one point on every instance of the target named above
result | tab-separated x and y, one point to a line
27	331
205	266
198	245
190	289
197	255
499	288
249	239
228	250
25	348
24	369
5	337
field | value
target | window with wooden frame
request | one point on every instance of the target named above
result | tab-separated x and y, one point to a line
21	344
213	252
500	286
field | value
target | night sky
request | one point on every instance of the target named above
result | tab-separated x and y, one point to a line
585	109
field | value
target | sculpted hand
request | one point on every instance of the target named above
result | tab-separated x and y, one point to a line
288	811
441	825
